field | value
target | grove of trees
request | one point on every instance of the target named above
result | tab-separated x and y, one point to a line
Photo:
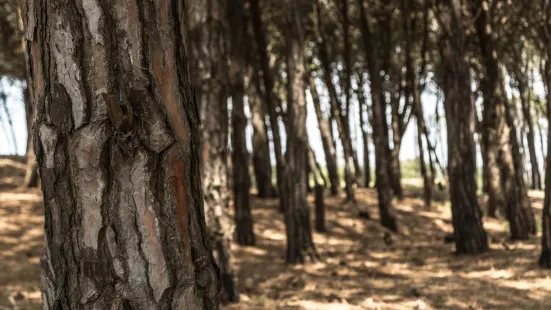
140	114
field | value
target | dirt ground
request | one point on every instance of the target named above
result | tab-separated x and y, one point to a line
357	269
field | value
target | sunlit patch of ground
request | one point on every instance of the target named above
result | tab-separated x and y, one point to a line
356	269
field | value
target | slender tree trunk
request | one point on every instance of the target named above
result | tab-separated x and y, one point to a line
545	256
469	233
363	126
525	99
326	140
262	164
117	140
293	191
207	32
318	192
240	155
270	101
413	84
501	133
336	113
386	210
31	174
395	169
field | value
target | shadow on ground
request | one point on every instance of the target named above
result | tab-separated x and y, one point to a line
357	269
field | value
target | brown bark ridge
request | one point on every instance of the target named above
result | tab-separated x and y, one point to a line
470	236
545	256
240	156
326	139
501	134
31	174
293	192
116	136
386	210
208	51
268	81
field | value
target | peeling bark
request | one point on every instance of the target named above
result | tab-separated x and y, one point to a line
117	141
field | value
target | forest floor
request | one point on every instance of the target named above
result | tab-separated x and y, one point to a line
357	269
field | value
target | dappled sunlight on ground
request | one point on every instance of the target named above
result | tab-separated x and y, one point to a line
417	270
357	269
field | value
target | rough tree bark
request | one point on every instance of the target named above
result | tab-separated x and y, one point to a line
326	139
469	233
240	155
208	52
117	136
386	210
31	174
293	191
500	132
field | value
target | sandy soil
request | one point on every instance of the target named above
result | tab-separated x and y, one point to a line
357	269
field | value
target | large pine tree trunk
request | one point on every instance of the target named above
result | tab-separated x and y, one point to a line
240	155
502	132
469	233
116	136
326	140
386	210
208	41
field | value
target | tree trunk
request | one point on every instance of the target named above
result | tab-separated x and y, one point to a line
240	155
545	256
469	233
336	112
31	174
326	140
363	126
206	32
395	169
293	192
262	164
386	210
117	136
413	84
525	99
501	133
268	80
318	191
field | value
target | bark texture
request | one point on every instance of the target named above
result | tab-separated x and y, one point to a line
364	124
470	236
116	135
